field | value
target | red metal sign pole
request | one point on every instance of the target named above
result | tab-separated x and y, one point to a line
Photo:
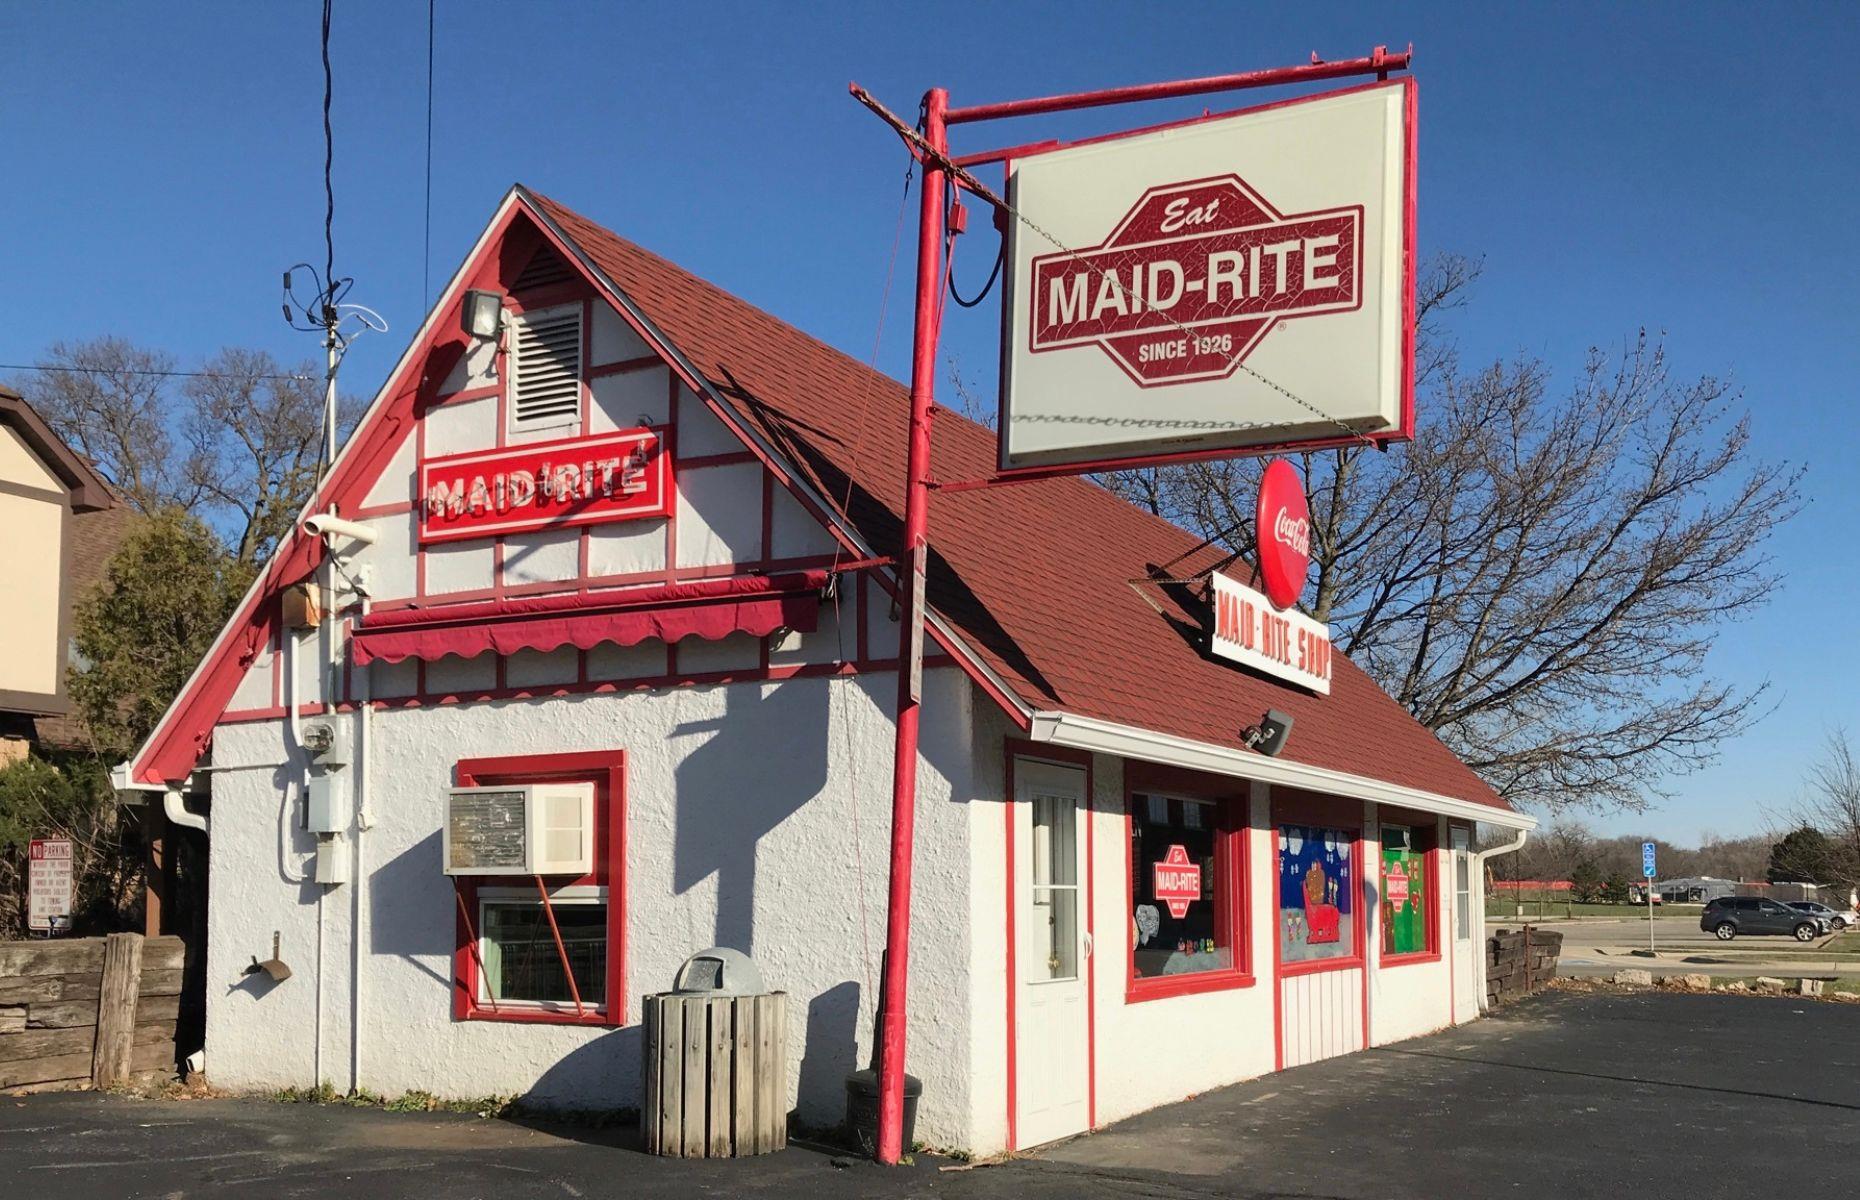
931	147
911	637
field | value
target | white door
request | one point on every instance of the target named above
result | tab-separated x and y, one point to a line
1051	1038
1468	920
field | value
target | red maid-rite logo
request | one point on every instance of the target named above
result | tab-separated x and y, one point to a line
1193	278
1282	521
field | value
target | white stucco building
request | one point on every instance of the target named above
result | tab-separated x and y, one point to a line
638	541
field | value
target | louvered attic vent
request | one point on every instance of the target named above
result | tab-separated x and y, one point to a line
545	269
545	378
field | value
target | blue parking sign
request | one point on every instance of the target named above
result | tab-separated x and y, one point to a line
1646	859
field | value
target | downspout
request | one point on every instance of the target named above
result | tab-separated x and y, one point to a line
364	821
177	814
1478	862
293	648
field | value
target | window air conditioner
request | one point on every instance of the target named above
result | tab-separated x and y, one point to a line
533	829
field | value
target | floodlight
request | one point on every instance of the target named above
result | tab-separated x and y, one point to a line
483	313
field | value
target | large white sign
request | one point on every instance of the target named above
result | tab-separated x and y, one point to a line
1279	642
1232	283
48	885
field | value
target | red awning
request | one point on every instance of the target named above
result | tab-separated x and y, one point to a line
710	608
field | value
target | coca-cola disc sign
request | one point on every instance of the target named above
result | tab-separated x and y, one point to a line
1283	524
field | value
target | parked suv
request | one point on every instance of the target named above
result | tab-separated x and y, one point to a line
1728	916
1834	920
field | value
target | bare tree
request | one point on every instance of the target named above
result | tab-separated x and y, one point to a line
1830	808
1537	578
111	400
234	443
253	433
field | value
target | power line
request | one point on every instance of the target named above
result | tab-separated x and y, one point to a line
144	371
426	254
329	160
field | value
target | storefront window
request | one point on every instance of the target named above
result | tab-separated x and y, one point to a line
521	961
1177	861
1316	894
1407	898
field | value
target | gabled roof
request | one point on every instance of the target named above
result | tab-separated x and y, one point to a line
1035	577
1030	583
88	490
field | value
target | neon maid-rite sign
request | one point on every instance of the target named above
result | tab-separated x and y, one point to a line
544	485
1286	645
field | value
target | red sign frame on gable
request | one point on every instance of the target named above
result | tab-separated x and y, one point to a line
622	476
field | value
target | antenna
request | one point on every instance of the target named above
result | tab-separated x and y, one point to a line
326	309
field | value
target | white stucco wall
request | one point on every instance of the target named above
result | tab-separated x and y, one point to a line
757	816
1411	998
1230	1031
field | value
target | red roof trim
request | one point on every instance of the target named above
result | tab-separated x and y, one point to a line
1026	584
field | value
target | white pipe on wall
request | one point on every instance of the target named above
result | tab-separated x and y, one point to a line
1478	866
364	821
176	810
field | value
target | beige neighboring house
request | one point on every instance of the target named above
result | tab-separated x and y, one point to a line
59	524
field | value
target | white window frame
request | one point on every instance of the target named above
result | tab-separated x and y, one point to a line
569	895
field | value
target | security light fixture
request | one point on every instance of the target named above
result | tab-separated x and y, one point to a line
483	313
1270	735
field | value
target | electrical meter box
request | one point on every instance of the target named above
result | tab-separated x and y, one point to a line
533	829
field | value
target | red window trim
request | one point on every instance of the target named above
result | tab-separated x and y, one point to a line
1292	807
604	768
1427	837
1232	863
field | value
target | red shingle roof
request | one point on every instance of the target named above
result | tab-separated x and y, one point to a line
1032	576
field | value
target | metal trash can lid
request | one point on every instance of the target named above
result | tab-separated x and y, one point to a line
719	971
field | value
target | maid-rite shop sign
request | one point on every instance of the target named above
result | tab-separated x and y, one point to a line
545	485
1250	631
48	885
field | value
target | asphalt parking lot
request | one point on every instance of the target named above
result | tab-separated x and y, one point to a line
1566	1095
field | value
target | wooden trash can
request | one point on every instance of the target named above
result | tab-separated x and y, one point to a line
715	1075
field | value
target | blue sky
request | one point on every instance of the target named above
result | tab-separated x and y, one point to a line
1688	169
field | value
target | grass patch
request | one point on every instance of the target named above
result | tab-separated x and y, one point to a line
485	1108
